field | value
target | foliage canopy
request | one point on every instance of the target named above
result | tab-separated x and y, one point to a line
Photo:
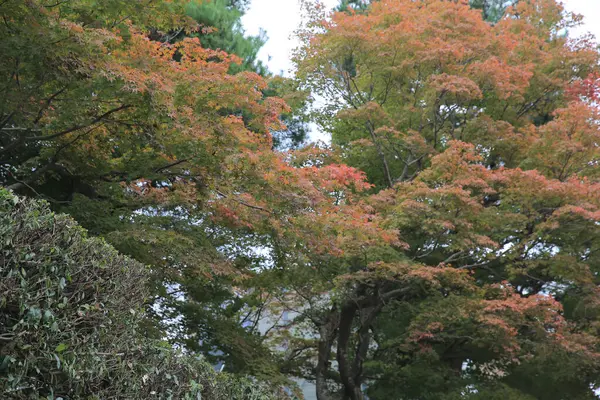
482	142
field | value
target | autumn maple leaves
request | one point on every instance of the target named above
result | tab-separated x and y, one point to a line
481	141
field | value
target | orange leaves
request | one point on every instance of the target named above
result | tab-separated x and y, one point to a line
274	108
457	209
341	231
458	161
568	145
335	177
436	68
532	191
543	308
421	278
462	88
539	315
313	206
504	326
590	212
499	75
193	84
490	173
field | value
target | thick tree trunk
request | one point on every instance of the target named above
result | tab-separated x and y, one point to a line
351	390
364	340
327	332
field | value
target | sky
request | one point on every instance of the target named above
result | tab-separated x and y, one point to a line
279	18
590	9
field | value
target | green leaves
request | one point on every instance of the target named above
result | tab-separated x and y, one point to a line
60	348
221	22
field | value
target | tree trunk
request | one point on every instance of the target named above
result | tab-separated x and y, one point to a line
327	332
381	153
351	390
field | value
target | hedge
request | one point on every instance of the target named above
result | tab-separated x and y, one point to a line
71	309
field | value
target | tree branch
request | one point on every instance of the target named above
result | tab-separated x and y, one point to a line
58	134
244	203
77	127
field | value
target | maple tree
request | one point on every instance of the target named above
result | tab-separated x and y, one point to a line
482	143
222	20
165	151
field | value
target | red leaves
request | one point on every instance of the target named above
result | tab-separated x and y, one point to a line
229	217
338	177
587	89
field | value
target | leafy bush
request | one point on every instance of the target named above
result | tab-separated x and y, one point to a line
70	314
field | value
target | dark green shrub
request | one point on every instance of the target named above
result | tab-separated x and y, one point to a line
70	311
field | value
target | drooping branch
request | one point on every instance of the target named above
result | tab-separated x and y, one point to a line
77	127
23	139
171	165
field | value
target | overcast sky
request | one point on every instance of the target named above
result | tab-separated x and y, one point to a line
281	17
